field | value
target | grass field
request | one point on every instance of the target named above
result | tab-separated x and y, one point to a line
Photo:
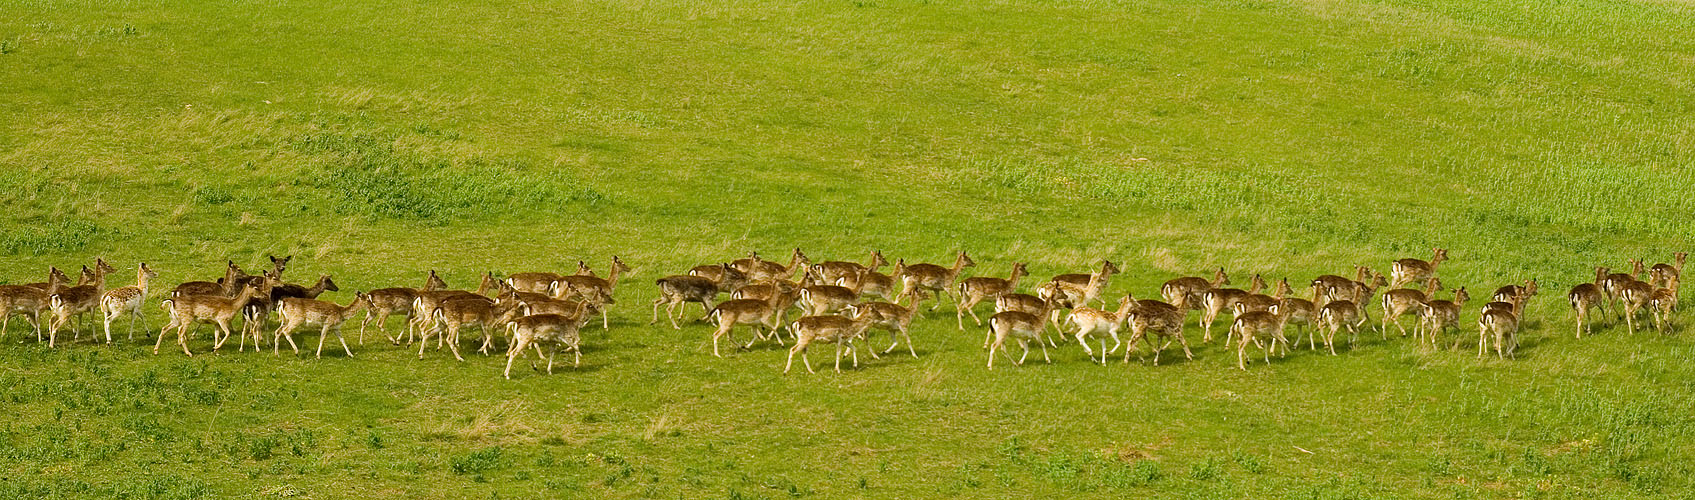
377	140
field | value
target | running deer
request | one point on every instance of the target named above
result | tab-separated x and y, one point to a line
1158	318
1189	293
295	312
76	302
1438	316
1322	286
894	318
1338	314
1614	284
1405	271
975	289
818	300
768	289
1096	281
1403	301
189	311
725	276
1263	330
1661	274
872	284
758	269
29	301
1511	293
384	302
1297	311
226	286
933	278
127	301
457	313
829	329
1586	296
555	330
1019	326
1502	326
1663	302
1635	296
291	290
835	270
542	281
1091	322
424	307
1218	300
757	313
676	292
590	287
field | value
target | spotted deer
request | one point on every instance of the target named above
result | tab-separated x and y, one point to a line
384	302
188	311
1297	311
1160	319
1403	301
76	302
818	300
1586	296
1502	326
1096	281
1022	327
1437	316
224	286
1614	284
127	301
555	330
590	287
1405	271
758	269
542	281
29	301
933	278
1663	302
1511	293
829	329
1322	286
296	312
1262	329
459	312
1635	296
872	285
424	307
976	289
1189	293
1661	274
675	292
1338	314
894	318
724	276
1066	296
757	313
835	270
1100	324
1218	300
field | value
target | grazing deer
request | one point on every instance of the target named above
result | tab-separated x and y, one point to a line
1159	318
1189	293
818	300
1019	326
1405	271
589	287
126	301
295	312
29	301
931	277
1661	274
1635	296
1586	296
1091	322
894	318
1615	283
1323	284
835	270
76	302
1402	301
976	289
383	302
1438	316
542	281
1096	281
677	291
826	329
556	330
1262	329
1663	302
758	313
187	312
1218	300
1503	327
465	310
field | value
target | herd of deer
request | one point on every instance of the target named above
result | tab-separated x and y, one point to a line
840	303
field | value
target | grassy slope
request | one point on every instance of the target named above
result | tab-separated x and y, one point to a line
379	140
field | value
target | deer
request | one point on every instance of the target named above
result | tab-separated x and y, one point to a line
1023	327
75	302
384	302
975	289
1323	284
1405	271
587	287
188	311
1586	296
1614	284
894	318
458	312
1188	293
29	301
1503	327
1096	281
823	299
1401	301
1158	318
127	301
1258	328
1067	296
1663	302
541	281
424	307
1298	311
1661	274
295	312
931	277
556	330
1217	300
1091	322
1511	293
593	304
724	276
238	278
1260	301
83	279
291	290
1438	316
835	270
765	290
872	284
1033	304
829	329
1338	314
675	292
226	286
758	269
758	313
1635	296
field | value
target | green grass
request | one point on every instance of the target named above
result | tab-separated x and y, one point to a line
377	140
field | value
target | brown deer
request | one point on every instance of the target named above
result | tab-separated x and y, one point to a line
188	311
1338	314
872	284
1402	301
1663	302
828	329
1502	326
542	281
1188	293
1438	316
295	312
818	300
975	289
724	276
835	270
76	302
1019	326
1262	329
424	307
758	313
384	302
1297	311
556	330
1635	296
83	279
1511	293
1405	271
1096	281
675	292
29	301
456	313
1091	322
590	287
894	318
764	269
1158	318
127	301
1614	284
931	277
1218	300
1661	274
1323	284
224	286
1586	296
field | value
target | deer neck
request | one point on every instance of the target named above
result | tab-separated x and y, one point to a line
1125	308
1218	279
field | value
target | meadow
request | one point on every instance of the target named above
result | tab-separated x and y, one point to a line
378	140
